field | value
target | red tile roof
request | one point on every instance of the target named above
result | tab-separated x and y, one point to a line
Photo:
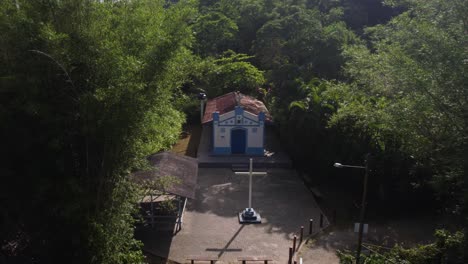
228	102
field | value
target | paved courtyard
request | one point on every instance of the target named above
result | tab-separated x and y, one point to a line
211	226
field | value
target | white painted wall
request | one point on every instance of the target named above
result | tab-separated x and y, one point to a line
255	140
229	122
222	140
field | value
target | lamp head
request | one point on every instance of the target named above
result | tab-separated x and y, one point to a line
338	165
201	96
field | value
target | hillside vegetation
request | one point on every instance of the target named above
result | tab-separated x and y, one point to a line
90	88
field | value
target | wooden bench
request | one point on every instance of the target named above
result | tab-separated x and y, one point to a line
245	259
202	258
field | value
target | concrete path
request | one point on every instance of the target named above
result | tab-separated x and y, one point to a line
211	226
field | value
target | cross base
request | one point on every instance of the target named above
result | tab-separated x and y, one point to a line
249	216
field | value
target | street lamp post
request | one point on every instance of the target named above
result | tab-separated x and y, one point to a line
202	98
363	203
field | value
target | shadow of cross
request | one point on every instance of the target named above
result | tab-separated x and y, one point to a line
226	248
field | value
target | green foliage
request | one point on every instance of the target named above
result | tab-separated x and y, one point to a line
87	93
231	72
215	33
88	89
305	123
111	240
407	88
446	249
159	186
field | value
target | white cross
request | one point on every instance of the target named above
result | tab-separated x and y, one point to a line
250	173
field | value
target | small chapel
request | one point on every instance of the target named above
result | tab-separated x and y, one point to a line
238	124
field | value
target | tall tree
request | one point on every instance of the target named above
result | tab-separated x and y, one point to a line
87	93
410	87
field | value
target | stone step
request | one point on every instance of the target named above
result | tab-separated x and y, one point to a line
257	165
240	167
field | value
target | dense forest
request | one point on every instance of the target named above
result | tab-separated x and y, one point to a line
89	88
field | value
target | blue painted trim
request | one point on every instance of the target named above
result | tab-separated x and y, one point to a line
222	151
239	127
246	136
215	116
246	118
261	119
227	119
256	123
215	124
254	151
261	116
235	125
239	110
212	135
264	131
251	119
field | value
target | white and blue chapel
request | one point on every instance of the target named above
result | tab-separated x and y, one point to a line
238	124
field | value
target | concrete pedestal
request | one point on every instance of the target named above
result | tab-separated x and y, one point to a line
249	216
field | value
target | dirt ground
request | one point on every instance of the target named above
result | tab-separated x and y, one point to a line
188	141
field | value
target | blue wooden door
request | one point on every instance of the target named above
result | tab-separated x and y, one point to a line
238	141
